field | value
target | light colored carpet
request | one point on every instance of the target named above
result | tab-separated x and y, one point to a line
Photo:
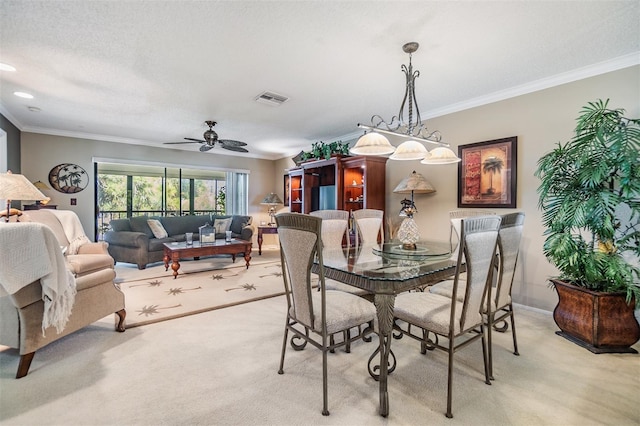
153	295
220	368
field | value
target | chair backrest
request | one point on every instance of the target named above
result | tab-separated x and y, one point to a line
509	239
455	217
300	243
335	225
368	226
479	238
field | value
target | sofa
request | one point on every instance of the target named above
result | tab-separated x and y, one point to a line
132	240
22	311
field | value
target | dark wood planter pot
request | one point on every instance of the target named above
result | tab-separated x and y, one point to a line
600	322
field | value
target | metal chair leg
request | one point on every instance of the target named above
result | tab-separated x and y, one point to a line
513	331
450	378
284	347
485	357
491	319
325	397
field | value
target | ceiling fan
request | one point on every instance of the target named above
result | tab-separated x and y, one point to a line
210	139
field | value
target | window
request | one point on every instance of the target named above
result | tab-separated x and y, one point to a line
126	190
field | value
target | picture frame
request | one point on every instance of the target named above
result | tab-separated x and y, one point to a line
286	190
487	174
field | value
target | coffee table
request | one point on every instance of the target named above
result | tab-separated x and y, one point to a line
175	251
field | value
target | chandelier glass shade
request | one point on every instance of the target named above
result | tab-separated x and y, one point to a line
407	126
372	144
409	150
440	155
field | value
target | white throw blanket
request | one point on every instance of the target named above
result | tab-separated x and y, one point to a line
30	251
72	229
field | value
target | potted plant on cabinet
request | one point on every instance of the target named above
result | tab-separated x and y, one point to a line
589	195
320	150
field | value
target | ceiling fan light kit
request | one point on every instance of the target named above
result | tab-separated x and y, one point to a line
414	130
210	137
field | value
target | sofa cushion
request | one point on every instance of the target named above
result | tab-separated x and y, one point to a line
157	228
177	225
222	225
239	222
120	225
139	224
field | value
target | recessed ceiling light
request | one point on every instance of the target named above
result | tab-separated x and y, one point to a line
6	67
23	95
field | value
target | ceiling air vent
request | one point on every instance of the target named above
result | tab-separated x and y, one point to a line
271	98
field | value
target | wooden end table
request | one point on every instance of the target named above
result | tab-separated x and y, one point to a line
175	251
265	230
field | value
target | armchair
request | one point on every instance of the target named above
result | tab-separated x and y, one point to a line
23	300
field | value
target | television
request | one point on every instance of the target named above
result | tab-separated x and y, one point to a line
323	198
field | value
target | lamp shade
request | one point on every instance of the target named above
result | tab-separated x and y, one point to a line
17	187
41	185
440	155
271	198
372	144
409	150
415	183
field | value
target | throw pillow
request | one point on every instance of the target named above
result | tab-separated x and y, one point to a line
157	228
222	225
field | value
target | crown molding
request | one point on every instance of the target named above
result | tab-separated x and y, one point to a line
599	68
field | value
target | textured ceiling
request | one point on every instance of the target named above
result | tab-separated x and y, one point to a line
149	72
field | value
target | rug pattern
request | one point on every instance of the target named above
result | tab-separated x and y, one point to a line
160	297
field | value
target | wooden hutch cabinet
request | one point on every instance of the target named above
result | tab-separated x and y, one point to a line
343	183
295	191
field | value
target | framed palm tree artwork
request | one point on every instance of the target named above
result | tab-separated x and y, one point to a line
487	174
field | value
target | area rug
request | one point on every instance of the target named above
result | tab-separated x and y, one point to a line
153	295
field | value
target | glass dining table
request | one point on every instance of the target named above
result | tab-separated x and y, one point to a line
385	270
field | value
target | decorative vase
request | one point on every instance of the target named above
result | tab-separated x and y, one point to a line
599	322
408	233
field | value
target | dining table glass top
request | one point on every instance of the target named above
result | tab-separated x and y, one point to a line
388	261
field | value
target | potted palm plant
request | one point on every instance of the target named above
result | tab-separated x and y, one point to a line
589	194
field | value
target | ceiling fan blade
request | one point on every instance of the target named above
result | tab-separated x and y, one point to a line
196	140
234	148
205	148
173	143
230	142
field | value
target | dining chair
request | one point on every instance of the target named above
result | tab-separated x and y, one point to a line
455	216
499	305
369	226
459	322
312	316
335	229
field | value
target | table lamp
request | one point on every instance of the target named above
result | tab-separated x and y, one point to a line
272	200
42	187
408	233
16	187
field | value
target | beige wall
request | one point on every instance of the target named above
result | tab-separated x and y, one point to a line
40	153
539	120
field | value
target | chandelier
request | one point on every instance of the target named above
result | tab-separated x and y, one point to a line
405	126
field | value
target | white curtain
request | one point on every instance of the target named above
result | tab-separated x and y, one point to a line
237	193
